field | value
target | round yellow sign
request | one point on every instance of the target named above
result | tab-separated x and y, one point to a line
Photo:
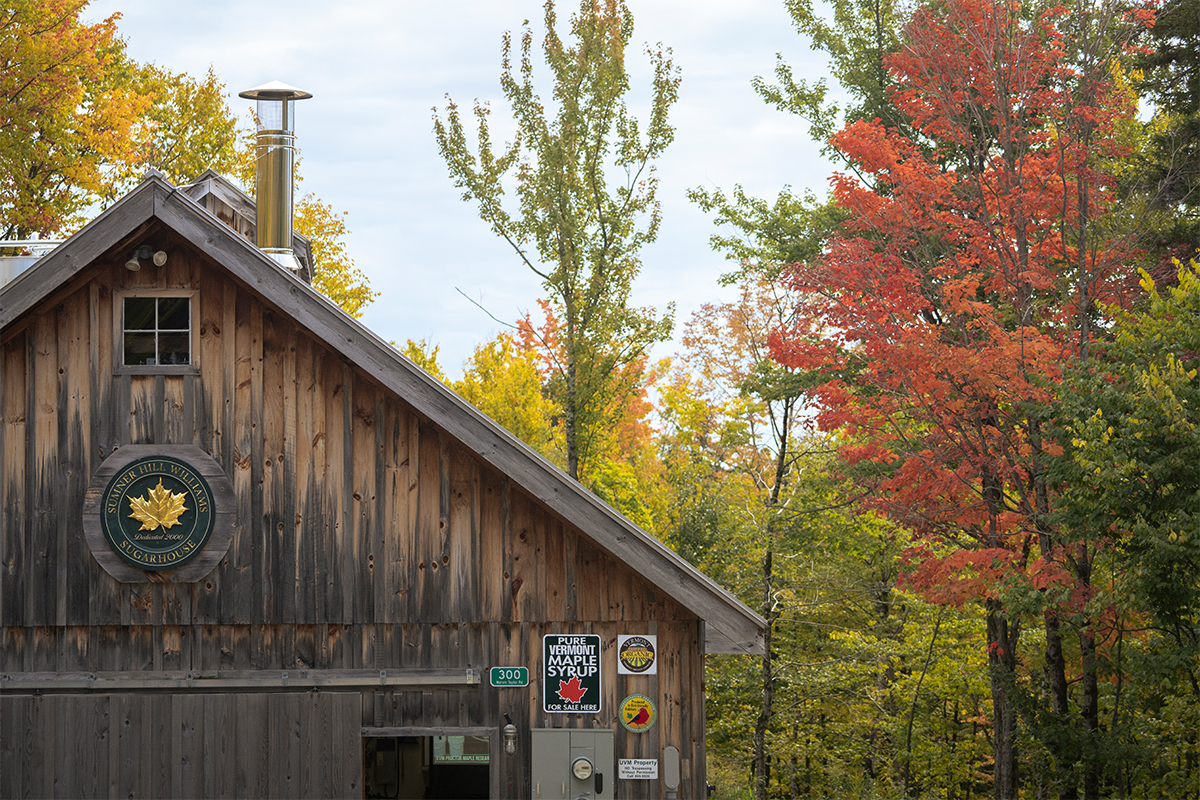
638	713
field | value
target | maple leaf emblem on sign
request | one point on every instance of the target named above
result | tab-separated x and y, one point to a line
160	507
572	691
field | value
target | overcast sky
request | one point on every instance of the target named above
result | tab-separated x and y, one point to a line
376	69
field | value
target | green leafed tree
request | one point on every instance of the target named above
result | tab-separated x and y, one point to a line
1129	428
580	170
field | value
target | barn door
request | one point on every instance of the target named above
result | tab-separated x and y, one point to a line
181	745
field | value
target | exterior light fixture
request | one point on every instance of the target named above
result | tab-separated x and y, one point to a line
159	257
510	736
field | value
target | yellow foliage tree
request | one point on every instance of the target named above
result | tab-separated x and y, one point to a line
188	126
67	106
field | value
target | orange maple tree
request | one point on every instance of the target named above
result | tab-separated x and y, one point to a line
978	251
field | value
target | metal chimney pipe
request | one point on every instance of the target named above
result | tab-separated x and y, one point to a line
275	168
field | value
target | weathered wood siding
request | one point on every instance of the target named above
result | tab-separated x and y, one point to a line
367	538
181	745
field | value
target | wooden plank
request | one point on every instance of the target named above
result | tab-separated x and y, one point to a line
261	602
178	757
237	583
13	711
292	755
63	710
362	524
157	742
554	561
491	580
73	648
337	606
13	542
253	743
105	595
523	547
306	385
412	506
40	768
42	653
430	528
570	542
320	528
338	772
534	597
591	591
145	603
187	713
274	581
44	490
98	742
395	534
158	425
73	435
351	547
11	755
277	749
143	408
222	710
318	760
177	412
127	717
380	529
481	702
462	536
698	774
288	581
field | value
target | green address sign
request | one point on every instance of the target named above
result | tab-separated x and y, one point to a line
510	676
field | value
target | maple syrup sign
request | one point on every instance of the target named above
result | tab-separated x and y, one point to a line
157	513
571	673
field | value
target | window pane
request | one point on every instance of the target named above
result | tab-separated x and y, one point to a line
173	313
173	348
139	348
139	314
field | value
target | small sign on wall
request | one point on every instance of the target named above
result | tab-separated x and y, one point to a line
638	713
571	673
637	655
637	769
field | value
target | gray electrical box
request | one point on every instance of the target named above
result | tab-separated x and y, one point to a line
573	764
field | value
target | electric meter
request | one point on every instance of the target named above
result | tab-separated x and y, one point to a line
581	768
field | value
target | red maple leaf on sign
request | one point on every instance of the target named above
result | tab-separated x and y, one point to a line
572	691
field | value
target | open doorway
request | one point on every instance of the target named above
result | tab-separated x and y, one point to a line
426	767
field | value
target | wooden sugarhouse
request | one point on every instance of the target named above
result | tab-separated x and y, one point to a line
248	549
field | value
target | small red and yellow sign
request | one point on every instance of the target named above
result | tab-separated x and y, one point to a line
638	713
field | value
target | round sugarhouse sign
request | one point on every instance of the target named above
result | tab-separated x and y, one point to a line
157	512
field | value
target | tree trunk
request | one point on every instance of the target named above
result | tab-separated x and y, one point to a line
1002	661
762	775
571	418
1090	701
1090	711
1056	679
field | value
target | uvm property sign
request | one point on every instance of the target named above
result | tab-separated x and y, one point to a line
571	673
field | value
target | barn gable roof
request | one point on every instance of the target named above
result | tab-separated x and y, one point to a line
730	627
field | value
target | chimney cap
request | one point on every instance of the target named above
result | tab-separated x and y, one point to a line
275	90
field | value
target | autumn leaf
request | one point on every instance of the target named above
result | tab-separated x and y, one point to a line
159	507
572	691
